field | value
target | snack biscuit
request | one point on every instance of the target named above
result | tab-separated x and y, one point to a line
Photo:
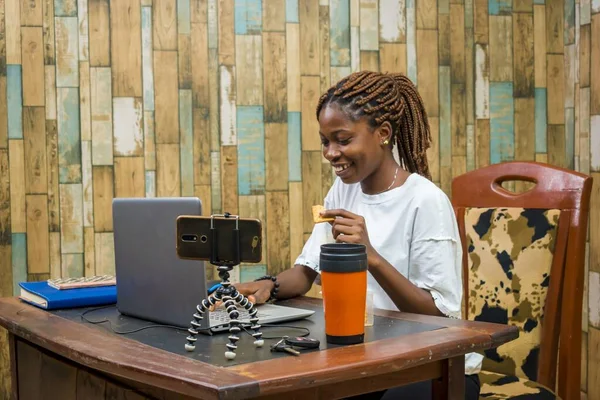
316	217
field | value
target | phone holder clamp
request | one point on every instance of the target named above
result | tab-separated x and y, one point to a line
228	294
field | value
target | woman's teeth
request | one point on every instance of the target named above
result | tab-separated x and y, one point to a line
340	168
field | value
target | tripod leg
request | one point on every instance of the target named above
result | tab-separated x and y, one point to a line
244	302
234	328
201	308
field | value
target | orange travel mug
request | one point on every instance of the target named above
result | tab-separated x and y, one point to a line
344	286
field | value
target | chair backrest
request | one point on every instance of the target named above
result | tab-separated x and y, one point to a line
523	264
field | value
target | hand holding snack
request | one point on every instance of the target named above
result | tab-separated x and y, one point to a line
348	227
317	217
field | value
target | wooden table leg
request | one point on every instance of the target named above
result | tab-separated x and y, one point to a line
12	352
452	384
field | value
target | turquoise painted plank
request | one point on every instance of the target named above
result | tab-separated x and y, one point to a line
67	54
183	17
72	265
147	60
540	121
294	147
19	260
150	183
240	17
65	8
14	100
445	101
569	29
248	17
502	132
254	16
339	32
539	1
251	150
411	41
69	140
291	11
499	7
570	136
186	148
248	273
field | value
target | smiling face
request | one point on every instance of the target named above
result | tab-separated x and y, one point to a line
353	148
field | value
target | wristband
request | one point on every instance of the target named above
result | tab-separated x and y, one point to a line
275	289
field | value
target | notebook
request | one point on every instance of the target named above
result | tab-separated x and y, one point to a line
42	295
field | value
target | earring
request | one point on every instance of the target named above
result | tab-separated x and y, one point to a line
385	142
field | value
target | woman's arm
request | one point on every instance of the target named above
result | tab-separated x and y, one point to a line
293	282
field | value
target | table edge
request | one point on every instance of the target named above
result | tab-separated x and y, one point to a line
488	336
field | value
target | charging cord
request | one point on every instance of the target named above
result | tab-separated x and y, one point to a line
307	331
83	317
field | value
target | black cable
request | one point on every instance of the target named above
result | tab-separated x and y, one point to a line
277	326
243	326
123	332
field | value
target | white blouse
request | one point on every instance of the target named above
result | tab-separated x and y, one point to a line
414	228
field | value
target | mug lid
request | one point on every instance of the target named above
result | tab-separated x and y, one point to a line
343	257
345	248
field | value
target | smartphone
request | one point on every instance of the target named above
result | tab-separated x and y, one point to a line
195	238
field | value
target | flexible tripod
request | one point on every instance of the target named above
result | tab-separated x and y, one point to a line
226	293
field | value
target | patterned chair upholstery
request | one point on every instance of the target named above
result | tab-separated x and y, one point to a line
509	258
524	264
498	386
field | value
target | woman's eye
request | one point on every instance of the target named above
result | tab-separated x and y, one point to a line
344	142
324	142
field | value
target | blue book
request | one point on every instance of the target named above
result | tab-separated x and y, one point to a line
42	295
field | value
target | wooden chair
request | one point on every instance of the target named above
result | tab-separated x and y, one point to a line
523	264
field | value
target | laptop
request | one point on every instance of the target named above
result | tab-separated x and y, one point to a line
153	283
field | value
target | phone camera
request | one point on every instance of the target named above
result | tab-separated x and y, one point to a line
203	239
189	238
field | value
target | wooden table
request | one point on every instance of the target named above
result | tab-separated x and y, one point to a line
70	359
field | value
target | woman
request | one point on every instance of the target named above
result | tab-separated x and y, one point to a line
405	221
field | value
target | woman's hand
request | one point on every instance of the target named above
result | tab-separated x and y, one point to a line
256	292
351	228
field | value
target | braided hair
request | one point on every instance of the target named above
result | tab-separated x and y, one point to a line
386	97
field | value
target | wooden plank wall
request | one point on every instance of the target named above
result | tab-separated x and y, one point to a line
216	99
